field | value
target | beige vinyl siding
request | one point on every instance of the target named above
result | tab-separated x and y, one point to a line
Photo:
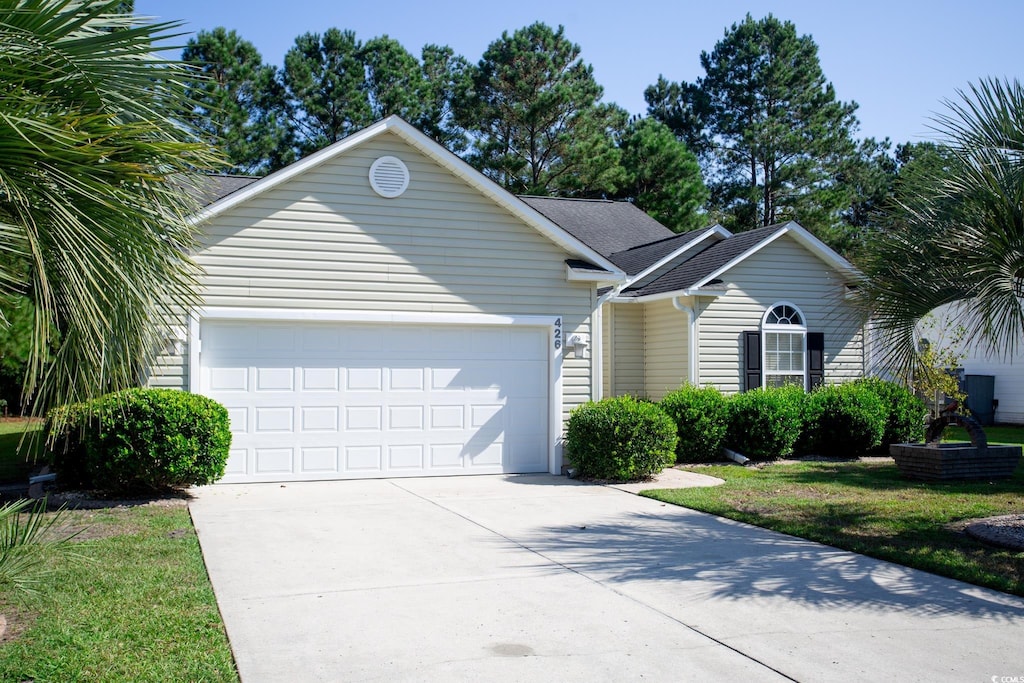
782	271
325	240
626	349
666	355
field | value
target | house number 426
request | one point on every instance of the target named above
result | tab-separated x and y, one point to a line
558	333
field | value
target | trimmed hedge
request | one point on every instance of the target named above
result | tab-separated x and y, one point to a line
844	420
765	423
619	439
701	422
905	412
140	440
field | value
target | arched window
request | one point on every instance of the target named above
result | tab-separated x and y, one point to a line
784	335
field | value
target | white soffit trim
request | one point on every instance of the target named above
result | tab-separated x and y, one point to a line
590	275
668	295
715	229
438	153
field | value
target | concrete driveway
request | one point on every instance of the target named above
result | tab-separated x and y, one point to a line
538	578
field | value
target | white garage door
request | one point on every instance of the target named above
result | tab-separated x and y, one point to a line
340	401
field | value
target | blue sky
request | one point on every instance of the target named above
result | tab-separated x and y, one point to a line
898	59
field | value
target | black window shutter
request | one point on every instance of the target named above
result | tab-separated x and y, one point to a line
815	359
752	359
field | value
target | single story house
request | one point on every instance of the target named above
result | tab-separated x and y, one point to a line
380	308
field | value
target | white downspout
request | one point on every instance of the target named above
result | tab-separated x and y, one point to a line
691	337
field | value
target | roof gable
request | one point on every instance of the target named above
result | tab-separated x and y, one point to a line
706	266
243	192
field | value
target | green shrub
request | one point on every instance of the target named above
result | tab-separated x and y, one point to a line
844	420
905	412
765	423
701	422
140	440
620	439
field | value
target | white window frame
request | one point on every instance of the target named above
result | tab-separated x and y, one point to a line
783	328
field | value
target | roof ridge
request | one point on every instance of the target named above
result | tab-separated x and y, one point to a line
688	233
573	199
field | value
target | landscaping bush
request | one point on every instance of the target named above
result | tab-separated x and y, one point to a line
844	420
620	439
701	422
140	440
765	423
905	412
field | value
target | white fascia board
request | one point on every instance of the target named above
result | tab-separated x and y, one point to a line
587	275
438	153
715	229
809	241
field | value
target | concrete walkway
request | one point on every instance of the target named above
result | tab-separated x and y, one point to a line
538	578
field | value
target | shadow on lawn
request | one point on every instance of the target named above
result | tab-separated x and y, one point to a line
885	476
728	560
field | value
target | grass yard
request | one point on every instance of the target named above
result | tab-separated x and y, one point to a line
15	462
139	607
1013	434
868	508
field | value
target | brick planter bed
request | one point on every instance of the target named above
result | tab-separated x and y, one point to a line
954	461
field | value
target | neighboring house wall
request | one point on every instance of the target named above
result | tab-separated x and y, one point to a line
979	359
781	271
325	240
666	336
1009	382
624	349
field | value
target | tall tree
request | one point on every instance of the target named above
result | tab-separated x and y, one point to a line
93	219
958	232
324	78
536	119
239	105
446	79
662	175
394	80
774	132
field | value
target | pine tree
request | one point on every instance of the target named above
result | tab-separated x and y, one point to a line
535	115
773	134
662	176
238	102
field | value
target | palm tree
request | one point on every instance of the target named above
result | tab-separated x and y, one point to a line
957	233
94	212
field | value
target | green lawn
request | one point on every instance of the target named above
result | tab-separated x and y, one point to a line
16	458
139	608
996	434
868	508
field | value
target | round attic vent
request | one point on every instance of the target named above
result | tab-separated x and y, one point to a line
389	177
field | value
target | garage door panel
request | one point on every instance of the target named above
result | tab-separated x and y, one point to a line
274	460
362	418
319	418
348	401
406	457
321	379
319	460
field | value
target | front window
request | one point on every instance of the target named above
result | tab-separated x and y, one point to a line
785	346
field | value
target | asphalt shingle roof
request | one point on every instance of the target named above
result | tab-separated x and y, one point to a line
697	268
212	188
638	259
605	226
